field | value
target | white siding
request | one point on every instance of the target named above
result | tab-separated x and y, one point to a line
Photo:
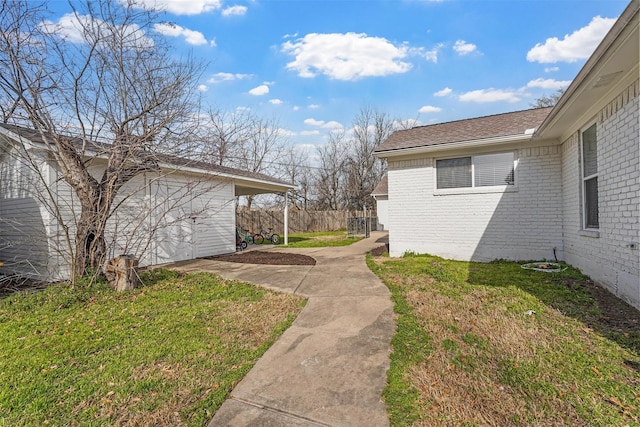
382	210
194	218
24	213
478	225
158	218
129	228
611	256
172	217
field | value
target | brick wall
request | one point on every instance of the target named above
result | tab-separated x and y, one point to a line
523	224
608	256
545	211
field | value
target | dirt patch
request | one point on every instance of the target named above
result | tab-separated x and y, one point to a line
269	258
10	285
616	313
380	250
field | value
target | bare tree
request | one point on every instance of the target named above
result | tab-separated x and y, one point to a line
370	128
224	135
330	180
548	100
298	172
104	77
264	146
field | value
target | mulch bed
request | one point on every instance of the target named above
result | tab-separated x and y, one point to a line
270	258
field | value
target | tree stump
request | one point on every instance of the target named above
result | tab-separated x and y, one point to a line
121	272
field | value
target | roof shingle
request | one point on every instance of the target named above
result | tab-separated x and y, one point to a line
175	161
507	124
382	188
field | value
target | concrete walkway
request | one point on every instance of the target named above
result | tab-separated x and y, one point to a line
329	368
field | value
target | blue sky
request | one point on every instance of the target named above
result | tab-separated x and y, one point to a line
314	64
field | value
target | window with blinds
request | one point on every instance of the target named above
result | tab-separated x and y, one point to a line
454	173
488	170
590	177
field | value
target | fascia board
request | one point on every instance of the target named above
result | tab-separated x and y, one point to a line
235	177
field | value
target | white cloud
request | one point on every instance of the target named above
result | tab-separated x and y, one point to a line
70	28
285	132
464	48
226	77
296	108
444	92
314	122
551	69
213	43
177	7
234	11
489	95
579	45
310	132
192	37
322	124
313	106
203	88
548	83
259	90
347	56
429	109
275	101
333	125
428	55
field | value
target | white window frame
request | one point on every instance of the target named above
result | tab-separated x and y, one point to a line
473	189
584	179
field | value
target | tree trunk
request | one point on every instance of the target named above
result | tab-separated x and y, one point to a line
121	272
90	245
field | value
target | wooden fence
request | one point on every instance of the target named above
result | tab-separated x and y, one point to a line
300	221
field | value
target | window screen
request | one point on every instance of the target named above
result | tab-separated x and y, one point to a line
591	203
590	177
487	170
454	173
590	152
493	169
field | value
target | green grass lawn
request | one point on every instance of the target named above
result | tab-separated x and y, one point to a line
320	239
167	353
494	344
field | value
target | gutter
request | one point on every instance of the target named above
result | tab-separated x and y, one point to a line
223	175
474	143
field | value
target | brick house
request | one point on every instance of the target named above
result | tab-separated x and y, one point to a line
559	182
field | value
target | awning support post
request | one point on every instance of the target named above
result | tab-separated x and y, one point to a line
286	218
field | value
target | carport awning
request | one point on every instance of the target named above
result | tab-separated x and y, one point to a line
250	187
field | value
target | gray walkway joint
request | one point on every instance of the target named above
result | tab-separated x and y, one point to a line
329	368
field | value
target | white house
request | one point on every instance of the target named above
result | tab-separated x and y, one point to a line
184	210
537	184
381	196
